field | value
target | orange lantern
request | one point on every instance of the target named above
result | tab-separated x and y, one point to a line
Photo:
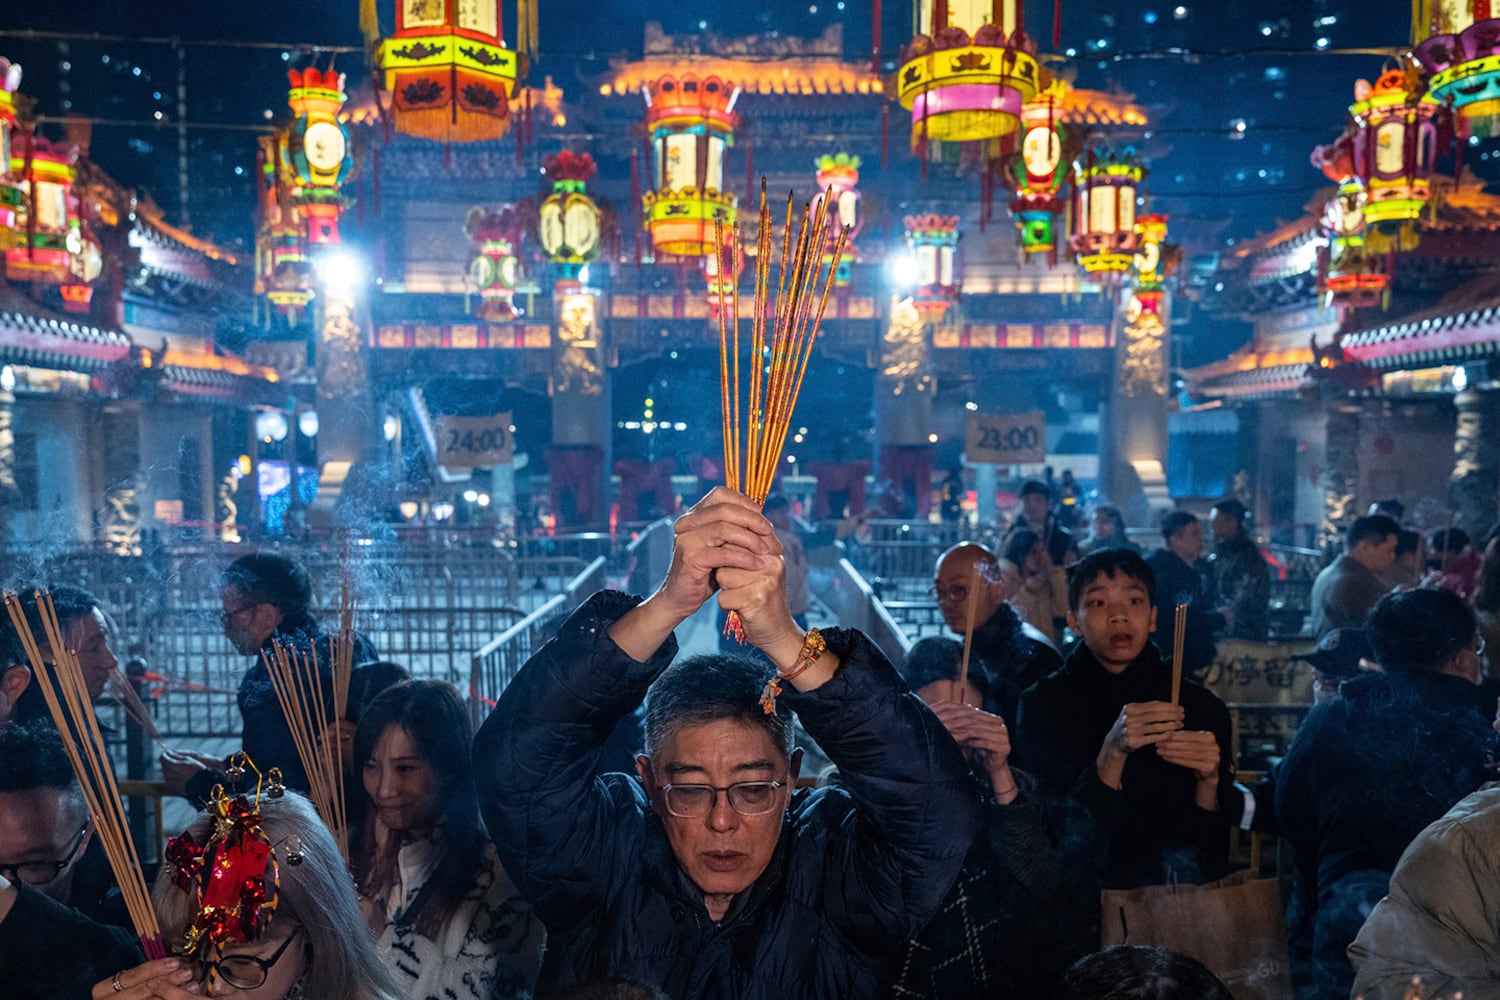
448	71
692	123
11	196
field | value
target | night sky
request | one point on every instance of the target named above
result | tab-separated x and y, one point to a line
1240	94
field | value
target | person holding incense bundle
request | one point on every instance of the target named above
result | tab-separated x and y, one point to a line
706	874
87	633
1011	654
267	600
451	925
993	935
1156	774
57	936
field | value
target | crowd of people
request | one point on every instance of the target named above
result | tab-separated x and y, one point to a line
975	803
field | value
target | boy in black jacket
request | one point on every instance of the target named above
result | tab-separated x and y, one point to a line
1158	778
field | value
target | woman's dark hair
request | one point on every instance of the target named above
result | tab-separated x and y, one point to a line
1133	972
433	716
1419	630
70	603
1018	545
936	658
1113	516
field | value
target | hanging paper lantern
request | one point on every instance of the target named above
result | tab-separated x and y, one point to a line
49	229
11	195
1105	237
568	220
494	270
840	174
691	121
448	71
1040	171
969	75
933	240
1462	66
1351	274
318	151
283	272
1149	263
1394	142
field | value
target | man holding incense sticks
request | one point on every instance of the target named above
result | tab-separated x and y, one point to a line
1157	776
267	599
706	873
1011	654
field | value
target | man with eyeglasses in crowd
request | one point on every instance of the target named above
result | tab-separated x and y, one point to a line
61	930
706	874
267	599
1012	654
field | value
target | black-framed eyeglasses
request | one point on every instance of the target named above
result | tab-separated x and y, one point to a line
748	798
44	872
228	616
246	972
957	592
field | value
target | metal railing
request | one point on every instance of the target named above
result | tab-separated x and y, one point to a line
495	664
426	606
855	604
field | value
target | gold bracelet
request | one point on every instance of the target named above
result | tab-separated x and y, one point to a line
813	647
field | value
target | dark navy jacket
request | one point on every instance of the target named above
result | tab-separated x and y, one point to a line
858	870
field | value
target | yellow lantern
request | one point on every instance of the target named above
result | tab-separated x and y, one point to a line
692	123
968	77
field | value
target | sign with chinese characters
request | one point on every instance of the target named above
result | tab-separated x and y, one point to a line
1006	439
474	442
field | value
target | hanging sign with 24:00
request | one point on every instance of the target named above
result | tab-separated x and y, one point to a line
474	442
1006	438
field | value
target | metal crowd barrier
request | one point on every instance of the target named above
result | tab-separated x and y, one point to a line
495	665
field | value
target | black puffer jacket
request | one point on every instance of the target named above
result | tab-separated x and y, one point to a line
857	870
1012	660
1155	831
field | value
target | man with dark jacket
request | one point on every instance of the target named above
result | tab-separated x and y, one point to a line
56	938
1240	571
1000	932
1157	777
708	876
267	599
1181	578
1037	514
1347	588
1367	771
1010	653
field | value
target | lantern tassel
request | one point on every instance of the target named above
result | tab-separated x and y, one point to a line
875	37
1057	24
885	135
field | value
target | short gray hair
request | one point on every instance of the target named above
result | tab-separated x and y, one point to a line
710	688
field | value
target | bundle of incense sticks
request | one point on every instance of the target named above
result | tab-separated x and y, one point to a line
67	697
975	579
1179	633
783	329
119	685
306	701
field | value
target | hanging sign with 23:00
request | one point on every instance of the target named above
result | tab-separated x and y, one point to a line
474	442
1006	438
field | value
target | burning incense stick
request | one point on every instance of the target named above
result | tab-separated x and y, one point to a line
782	335
1179	631
66	694
124	692
963	666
